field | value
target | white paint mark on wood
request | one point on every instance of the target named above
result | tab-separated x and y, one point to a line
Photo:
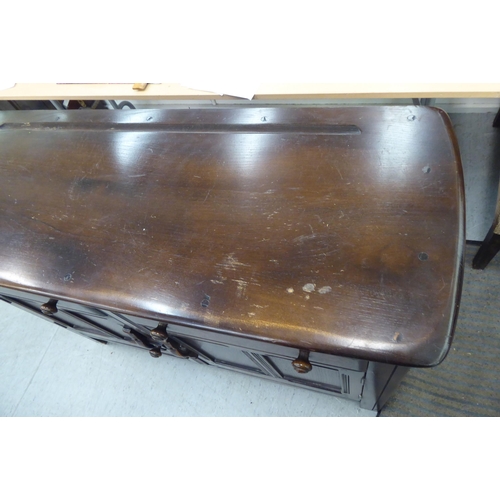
241	288
231	262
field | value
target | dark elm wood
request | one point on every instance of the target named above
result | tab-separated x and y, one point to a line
332	232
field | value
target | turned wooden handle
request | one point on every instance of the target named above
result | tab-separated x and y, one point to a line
301	364
160	332
176	352
49	308
155	352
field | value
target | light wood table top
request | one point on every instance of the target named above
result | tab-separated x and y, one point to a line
264	91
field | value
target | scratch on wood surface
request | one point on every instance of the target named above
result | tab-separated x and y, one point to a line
210	190
231	262
206	197
305	237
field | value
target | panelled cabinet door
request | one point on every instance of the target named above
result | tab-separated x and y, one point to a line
224	355
91	323
341	381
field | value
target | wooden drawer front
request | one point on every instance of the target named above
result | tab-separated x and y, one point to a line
340	381
136	330
264	348
250	345
346	382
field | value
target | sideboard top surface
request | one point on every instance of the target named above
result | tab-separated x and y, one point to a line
335	229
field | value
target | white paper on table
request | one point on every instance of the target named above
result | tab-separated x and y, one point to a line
5	86
236	89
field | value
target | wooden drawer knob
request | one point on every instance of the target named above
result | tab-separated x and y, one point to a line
155	352
301	364
160	332
49	308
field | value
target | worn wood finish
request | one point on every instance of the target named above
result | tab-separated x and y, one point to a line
330	230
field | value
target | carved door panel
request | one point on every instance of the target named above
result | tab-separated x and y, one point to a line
223	355
57	313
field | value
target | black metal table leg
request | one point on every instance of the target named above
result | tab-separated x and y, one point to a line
488	249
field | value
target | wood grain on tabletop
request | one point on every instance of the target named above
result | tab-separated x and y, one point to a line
336	230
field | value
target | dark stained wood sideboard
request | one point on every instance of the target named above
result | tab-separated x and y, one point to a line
320	247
